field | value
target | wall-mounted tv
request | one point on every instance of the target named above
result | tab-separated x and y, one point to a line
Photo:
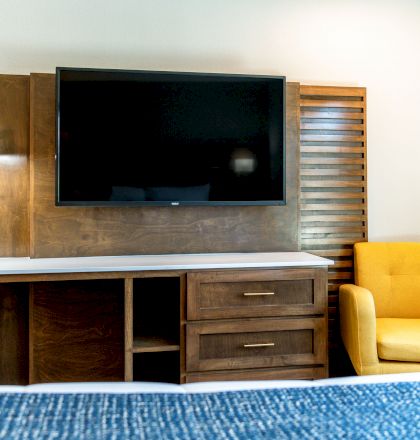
132	138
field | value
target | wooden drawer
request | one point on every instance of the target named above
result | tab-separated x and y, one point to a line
256	293
293	373
256	343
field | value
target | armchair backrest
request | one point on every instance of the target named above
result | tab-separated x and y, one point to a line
391	271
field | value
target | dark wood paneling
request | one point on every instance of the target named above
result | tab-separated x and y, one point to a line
333	186
251	293
14	170
14	334
65	231
76	331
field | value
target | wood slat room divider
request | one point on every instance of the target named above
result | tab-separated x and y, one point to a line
333	183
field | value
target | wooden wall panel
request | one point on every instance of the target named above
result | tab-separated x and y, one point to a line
14	334
72	231
333	182
14	172
76	331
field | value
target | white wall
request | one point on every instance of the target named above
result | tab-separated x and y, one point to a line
371	43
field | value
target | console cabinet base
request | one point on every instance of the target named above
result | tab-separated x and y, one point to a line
164	326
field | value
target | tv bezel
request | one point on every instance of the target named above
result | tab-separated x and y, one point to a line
104	204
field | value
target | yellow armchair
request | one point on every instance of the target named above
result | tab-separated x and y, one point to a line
380	315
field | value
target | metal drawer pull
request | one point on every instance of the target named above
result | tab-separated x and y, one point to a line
267	344
258	293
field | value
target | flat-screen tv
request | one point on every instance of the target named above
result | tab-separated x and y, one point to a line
169	138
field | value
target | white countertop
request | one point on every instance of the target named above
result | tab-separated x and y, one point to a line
160	262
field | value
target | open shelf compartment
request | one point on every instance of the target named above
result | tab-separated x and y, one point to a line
153	330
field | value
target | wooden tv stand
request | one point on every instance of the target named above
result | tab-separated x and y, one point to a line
173	318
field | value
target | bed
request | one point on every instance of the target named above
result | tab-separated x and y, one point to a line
371	407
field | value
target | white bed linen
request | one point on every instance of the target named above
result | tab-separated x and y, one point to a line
204	387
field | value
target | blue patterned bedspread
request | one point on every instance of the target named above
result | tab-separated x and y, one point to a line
376	411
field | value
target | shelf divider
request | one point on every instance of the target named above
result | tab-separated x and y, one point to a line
128	329
153	344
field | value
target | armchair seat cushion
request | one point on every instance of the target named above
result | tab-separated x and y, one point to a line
398	339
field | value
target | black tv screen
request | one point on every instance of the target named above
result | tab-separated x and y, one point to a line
169	138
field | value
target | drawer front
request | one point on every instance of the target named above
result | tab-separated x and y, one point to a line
256	343
256	293
297	373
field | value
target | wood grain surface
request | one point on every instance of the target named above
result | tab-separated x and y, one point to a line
128	329
14	334
76	331
220	345
261	374
72	231
333	194
14	170
256	293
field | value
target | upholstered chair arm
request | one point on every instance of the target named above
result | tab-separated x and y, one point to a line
358	327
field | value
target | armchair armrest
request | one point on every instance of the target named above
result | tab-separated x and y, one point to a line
358	327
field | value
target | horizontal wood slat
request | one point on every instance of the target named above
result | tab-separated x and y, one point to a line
330	114
330	126
340	275
331	172
332	252
332	195
324	241
332	218
331	161
343	264
332	206
331	137
331	91
331	229
334	103
333	182
333	149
